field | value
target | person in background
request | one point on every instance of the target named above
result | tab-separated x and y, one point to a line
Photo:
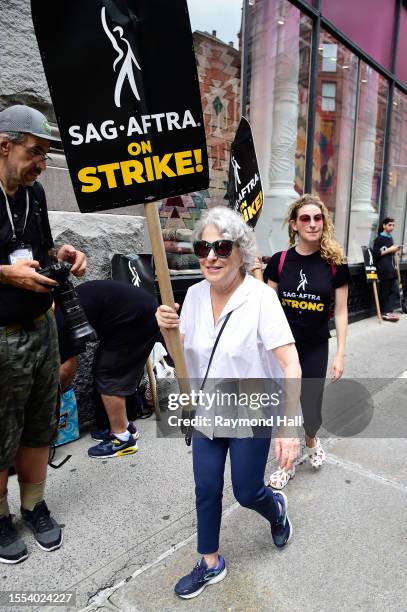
256	342
306	277
384	251
29	359
123	318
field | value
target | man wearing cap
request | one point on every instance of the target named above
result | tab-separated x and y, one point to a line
29	359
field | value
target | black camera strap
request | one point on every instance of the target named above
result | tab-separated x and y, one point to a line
188	434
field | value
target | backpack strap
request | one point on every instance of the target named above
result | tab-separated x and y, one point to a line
333	270
283	255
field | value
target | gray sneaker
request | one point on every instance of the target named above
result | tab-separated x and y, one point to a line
12	547
47	532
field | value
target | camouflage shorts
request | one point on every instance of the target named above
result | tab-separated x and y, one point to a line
29	375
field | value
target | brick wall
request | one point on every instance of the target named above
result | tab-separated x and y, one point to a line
219	78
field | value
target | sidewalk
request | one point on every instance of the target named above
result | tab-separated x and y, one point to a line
130	522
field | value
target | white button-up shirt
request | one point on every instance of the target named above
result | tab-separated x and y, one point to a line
256	326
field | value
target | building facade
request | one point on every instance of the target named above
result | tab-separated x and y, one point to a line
327	98
325	90
219	68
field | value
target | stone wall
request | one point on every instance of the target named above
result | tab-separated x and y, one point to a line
22	78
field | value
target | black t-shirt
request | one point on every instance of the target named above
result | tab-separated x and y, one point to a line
119	312
20	305
386	268
305	288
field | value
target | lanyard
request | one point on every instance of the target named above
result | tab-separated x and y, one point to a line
27	208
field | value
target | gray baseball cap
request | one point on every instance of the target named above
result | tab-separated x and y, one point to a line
21	118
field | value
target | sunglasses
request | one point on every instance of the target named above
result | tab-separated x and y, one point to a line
222	248
308	218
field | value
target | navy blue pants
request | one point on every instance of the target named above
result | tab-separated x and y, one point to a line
248	457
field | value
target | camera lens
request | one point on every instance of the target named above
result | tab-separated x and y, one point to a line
76	320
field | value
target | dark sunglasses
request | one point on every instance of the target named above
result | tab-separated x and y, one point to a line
308	218
222	248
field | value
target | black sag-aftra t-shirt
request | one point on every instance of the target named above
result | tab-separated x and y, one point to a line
20	305
385	264
305	288
120	313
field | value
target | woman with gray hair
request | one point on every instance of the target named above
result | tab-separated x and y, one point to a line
254	341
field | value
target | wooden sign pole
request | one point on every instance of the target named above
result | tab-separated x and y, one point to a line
167	297
376	299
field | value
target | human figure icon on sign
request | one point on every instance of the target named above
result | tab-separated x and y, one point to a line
126	58
236	169
135	280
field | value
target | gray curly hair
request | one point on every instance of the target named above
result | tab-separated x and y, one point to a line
231	227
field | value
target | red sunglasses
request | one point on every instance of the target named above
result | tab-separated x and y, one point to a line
308	218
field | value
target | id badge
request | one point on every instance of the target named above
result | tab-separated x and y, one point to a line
24	251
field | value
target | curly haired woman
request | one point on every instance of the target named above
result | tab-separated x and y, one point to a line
306	277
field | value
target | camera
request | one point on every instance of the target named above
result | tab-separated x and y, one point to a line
67	299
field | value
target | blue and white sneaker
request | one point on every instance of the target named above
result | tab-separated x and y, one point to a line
102	435
194	583
113	447
282	530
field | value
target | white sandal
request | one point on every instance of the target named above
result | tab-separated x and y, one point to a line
316	455
280	478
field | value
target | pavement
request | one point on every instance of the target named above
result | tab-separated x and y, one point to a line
130	529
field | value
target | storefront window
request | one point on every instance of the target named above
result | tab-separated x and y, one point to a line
334	128
369	23
368	162
401	64
280	42
396	188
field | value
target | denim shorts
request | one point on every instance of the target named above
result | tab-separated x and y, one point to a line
29	377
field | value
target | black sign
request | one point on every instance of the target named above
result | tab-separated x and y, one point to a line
370	268
124	86
134	269
244	191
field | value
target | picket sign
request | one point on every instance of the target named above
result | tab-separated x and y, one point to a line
244	190
128	108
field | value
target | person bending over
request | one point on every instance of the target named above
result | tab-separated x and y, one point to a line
123	318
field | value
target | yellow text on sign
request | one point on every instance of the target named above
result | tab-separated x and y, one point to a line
248	211
135	148
141	170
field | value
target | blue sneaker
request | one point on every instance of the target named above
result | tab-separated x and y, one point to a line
102	435
282	530
113	447
194	583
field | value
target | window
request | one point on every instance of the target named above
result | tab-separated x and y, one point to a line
329	57
334	131
369	23
280	43
396	188
328	97
367	170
